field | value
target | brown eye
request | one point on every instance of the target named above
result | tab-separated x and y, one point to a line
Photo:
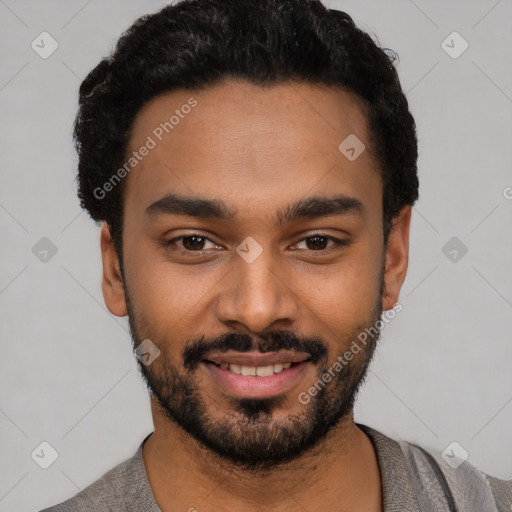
317	242
320	242
190	243
193	242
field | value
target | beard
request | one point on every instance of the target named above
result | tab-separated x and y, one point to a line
256	434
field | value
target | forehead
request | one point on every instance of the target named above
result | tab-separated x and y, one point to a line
251	145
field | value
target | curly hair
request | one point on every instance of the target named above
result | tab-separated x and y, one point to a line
194	44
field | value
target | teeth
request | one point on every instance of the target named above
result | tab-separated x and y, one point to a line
265	371
248	370
260	371
235	368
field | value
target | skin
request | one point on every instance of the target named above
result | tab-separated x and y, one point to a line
257	150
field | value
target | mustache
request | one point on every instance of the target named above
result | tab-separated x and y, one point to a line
196	350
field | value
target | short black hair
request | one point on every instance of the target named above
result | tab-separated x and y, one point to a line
195	44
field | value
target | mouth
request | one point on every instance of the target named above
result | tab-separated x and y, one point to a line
255	375
255	371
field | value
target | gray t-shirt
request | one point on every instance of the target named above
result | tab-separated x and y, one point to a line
125	488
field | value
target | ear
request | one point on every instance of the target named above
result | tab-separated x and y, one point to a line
112	282
397	257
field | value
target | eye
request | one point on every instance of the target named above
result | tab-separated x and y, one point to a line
319	242
192	243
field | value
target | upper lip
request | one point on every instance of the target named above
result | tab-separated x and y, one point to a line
257	358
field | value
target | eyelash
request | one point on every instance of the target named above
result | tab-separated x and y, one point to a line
338	243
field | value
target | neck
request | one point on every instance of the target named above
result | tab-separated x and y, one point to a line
184	475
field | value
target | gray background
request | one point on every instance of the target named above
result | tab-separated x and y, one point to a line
442	372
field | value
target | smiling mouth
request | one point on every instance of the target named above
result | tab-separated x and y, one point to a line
256	371
257	375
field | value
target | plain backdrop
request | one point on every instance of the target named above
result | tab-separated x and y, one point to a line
443	369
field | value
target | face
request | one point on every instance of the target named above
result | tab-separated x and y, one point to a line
253	259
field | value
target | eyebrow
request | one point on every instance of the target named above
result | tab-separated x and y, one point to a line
308	208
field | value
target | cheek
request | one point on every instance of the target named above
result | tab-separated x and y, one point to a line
347	301
168	297
347	297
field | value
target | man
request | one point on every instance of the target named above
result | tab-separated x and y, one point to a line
254	166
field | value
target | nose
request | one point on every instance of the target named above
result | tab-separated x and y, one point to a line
257	296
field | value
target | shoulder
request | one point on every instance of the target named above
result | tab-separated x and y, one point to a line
123	488
445	479
502	491
96	497
469	488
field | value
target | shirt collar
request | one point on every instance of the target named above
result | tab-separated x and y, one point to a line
397	491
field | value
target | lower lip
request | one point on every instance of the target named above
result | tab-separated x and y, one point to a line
250	386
